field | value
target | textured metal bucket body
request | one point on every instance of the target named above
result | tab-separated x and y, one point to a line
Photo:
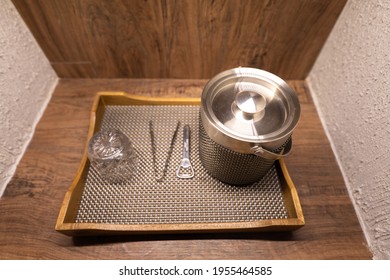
229	166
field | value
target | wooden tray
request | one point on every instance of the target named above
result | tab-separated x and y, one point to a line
144	206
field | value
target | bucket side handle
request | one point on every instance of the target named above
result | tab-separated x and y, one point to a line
264	153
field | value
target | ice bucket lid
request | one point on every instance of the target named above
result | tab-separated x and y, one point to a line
248	105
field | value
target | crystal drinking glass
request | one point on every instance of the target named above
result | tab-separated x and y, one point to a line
112	155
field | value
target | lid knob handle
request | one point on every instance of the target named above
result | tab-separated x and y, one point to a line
250	102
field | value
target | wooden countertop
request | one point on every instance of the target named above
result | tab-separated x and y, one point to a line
32	200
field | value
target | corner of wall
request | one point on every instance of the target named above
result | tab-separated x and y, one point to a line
349	84
26	85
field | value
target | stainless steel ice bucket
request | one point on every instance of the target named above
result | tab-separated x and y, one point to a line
247	117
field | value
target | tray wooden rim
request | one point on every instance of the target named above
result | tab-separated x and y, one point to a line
121	98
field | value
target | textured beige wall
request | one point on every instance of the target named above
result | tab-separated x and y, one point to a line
26	83
350	82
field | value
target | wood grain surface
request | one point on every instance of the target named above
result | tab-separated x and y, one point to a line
30	205
179	39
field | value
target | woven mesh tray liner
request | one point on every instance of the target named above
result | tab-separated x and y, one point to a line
143	200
